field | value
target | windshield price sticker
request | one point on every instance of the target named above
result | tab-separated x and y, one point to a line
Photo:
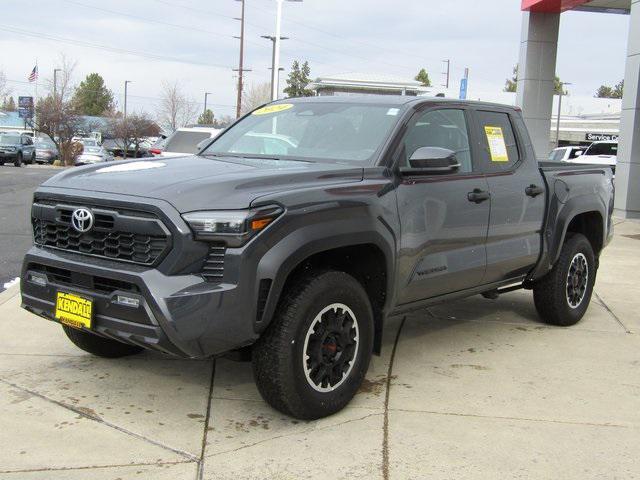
497	145
273	109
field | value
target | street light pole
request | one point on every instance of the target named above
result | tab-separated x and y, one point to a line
205	102
126	82
276	54
562	84
273	62
55	82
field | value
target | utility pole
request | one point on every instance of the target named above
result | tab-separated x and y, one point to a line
273	63
126	82
562	84
205	102
241	69
55	83
447	73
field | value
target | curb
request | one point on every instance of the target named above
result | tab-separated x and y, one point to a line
9	293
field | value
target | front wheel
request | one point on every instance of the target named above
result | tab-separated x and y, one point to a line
18	161
311	360
563	295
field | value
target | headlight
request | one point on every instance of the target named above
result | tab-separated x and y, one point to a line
235	227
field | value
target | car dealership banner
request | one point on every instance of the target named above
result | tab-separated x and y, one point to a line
601	137
25	107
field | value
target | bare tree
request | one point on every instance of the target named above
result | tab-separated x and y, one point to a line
4	89
257	95
64	87
176	110
60	122
131	131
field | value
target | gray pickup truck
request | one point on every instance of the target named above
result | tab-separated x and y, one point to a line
295	234
17	149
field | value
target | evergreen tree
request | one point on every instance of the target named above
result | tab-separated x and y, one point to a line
206	118
9	104
92	97
299	79
423	77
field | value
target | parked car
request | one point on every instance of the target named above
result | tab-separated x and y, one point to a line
600	153
296	253
185	141
93	154
16	149
46	151
115	148
564	154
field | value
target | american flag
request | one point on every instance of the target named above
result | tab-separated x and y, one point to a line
34	74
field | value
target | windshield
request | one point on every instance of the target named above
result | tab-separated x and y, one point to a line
311	131
185	141
89	142
9	139
602	149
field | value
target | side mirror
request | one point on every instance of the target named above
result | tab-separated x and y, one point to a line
431	161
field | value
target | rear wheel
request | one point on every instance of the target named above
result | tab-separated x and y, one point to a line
563	295
312	359
99	346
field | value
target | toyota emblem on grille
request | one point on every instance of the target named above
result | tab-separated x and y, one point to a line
82	220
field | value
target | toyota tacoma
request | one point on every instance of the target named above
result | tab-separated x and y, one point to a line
299	231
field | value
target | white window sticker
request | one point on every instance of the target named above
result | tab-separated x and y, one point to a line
393	112
497	145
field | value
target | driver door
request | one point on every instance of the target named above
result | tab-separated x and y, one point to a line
443	231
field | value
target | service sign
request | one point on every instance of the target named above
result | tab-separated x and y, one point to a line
25	107
601	137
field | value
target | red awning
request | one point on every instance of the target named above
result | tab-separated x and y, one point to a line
551	6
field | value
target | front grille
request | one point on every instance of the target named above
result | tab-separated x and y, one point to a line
135	237
64	277
213	268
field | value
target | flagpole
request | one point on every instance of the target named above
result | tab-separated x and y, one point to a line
35	100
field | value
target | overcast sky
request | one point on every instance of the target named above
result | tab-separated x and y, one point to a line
192	41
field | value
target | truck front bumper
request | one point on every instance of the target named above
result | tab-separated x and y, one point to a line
182	315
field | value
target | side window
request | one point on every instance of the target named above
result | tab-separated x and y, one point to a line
446	128
500	150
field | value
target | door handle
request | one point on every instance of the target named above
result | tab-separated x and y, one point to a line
478	196
533	191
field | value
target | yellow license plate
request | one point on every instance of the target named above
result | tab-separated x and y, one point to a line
74	310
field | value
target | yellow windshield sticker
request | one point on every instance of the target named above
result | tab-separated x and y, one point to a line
281	107
497	145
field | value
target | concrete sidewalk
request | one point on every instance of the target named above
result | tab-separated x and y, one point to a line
473	389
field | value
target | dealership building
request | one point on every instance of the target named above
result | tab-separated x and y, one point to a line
535	92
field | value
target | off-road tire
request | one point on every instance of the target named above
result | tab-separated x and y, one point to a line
33	159
550	293
18	160
99	346
278	364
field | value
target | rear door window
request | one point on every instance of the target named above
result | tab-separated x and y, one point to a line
499	149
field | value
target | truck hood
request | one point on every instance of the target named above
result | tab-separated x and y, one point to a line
196	183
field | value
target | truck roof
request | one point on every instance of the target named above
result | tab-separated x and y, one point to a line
392	100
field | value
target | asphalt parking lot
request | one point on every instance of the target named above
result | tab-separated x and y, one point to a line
16	189
476	389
